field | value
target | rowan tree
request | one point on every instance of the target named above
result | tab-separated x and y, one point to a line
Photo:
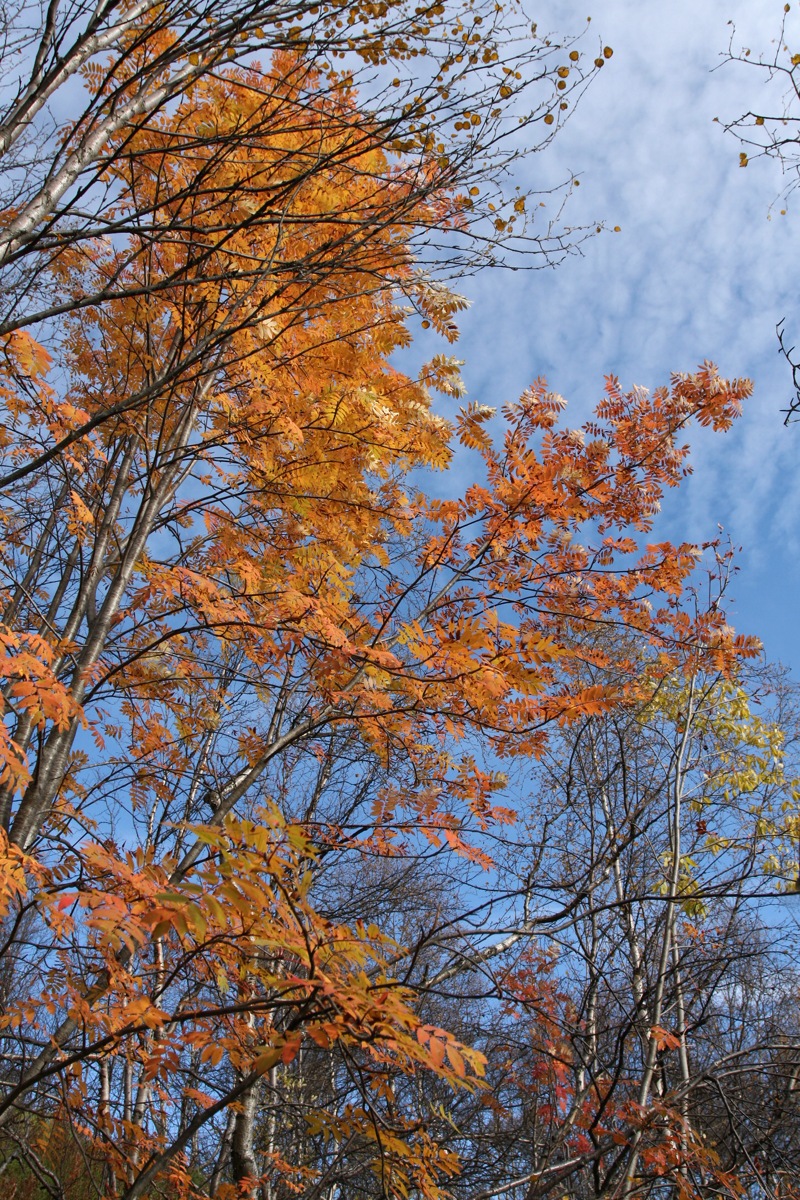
259	688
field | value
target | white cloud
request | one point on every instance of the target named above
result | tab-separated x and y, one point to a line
698	271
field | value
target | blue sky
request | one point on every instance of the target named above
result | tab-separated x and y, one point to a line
700	269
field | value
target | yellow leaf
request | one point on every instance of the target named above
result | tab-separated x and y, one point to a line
267	1059
84	515
457	1061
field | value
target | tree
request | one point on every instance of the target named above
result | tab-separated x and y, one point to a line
446	114
259	688
651	827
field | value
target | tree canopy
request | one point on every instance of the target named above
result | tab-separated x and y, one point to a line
356	841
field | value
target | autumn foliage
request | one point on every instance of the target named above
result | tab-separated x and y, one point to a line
268	703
